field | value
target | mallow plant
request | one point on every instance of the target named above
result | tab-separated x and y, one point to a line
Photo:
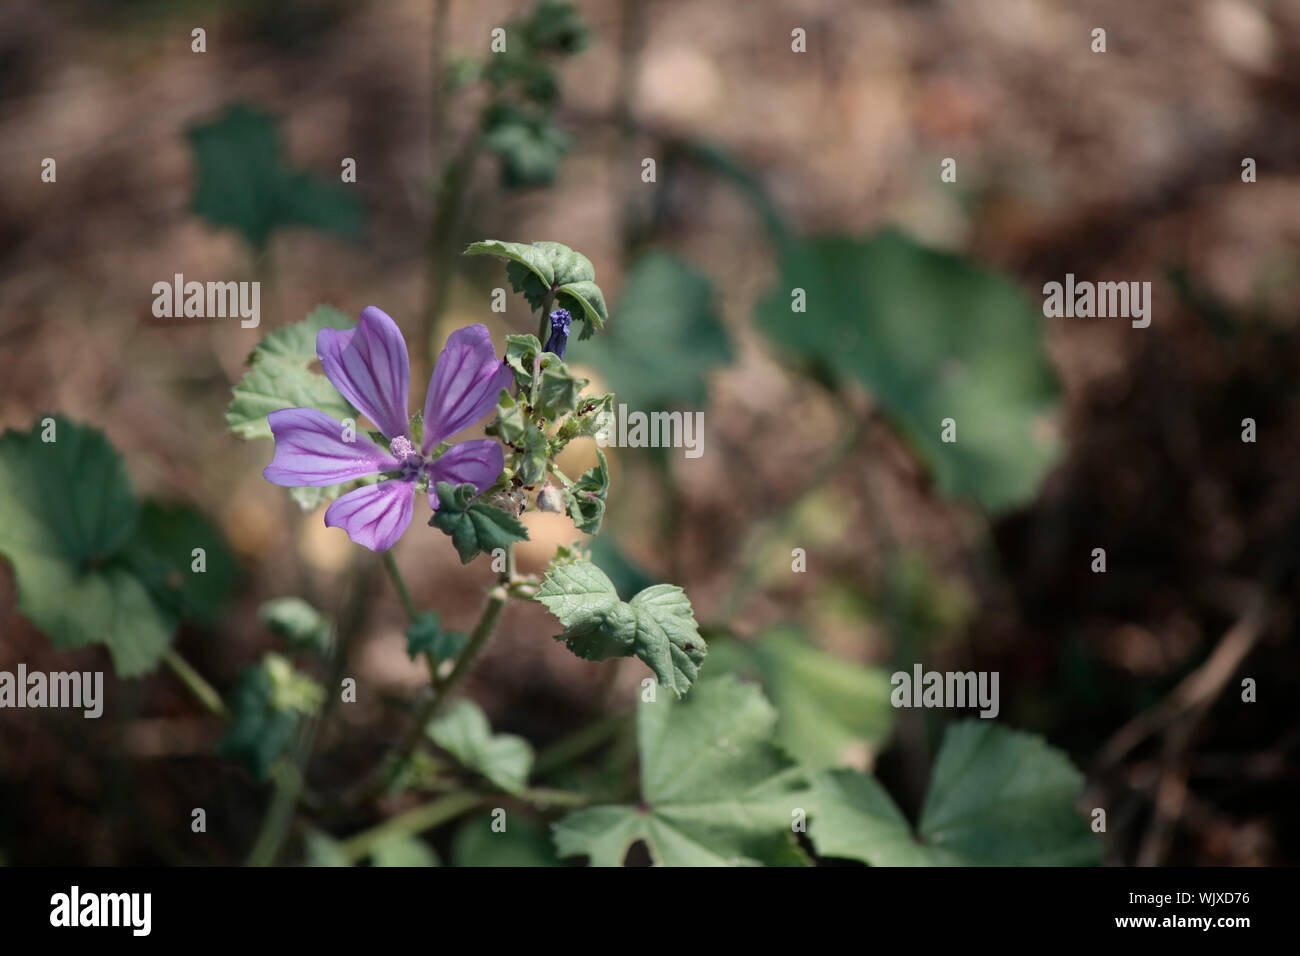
533	405
707	772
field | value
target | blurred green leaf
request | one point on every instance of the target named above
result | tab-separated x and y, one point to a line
161	551
279	376
666	337
66	515
243	181
298	622
715	791
997	797
401	850
521	843
529	146
558	26
832	711
259	732
426	636
266	705
933	336
464	732
321	849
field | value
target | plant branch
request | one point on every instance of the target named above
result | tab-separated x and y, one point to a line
205	693
478	638
403	593
409	823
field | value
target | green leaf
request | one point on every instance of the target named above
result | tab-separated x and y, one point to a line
321	849
521	352
190	587
597	625
997	797
511	424
586	499
541	267
534	81
657	625
278	377
474	526
66	515
557	390
591	419
242	181
426	636
291	690
298	622
259	732
715	791
584	299
464	733
531	466
529	145
933	336
667	636
667	337
558	26
628	576
402	850
521	843
832	711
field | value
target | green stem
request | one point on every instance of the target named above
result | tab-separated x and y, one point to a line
544	324
553	798
442	689
579	743
409	823
282	808
207	694
403	593
483	630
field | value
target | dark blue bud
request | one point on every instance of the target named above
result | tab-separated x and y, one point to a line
560	322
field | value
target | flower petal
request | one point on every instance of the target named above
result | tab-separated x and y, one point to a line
464	386
310	450
479	462
370	367
374	515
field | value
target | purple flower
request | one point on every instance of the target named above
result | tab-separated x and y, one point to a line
369	366
560	322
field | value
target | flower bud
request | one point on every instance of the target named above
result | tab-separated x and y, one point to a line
550	499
